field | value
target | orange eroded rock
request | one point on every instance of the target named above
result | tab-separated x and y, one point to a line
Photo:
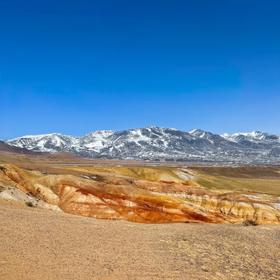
139	200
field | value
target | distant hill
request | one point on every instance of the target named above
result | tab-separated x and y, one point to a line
164	144
4	147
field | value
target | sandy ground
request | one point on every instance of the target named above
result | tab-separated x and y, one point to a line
42	244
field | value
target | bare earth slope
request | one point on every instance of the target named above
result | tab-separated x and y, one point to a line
42	244
145	194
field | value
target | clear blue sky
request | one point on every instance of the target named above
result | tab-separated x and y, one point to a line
77	66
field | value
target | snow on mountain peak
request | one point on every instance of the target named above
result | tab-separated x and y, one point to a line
160	143
104	133
198	132
36	136
249	136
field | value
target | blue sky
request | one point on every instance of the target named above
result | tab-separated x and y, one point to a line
78	66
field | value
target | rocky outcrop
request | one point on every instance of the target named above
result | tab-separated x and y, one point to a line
134	199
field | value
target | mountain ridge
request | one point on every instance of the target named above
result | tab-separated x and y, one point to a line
158	143
4	147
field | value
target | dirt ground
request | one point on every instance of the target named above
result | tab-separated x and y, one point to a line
42	244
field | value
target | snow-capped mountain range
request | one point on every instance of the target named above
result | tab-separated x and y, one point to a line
155	143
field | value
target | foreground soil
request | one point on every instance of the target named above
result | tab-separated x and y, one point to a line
43	244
